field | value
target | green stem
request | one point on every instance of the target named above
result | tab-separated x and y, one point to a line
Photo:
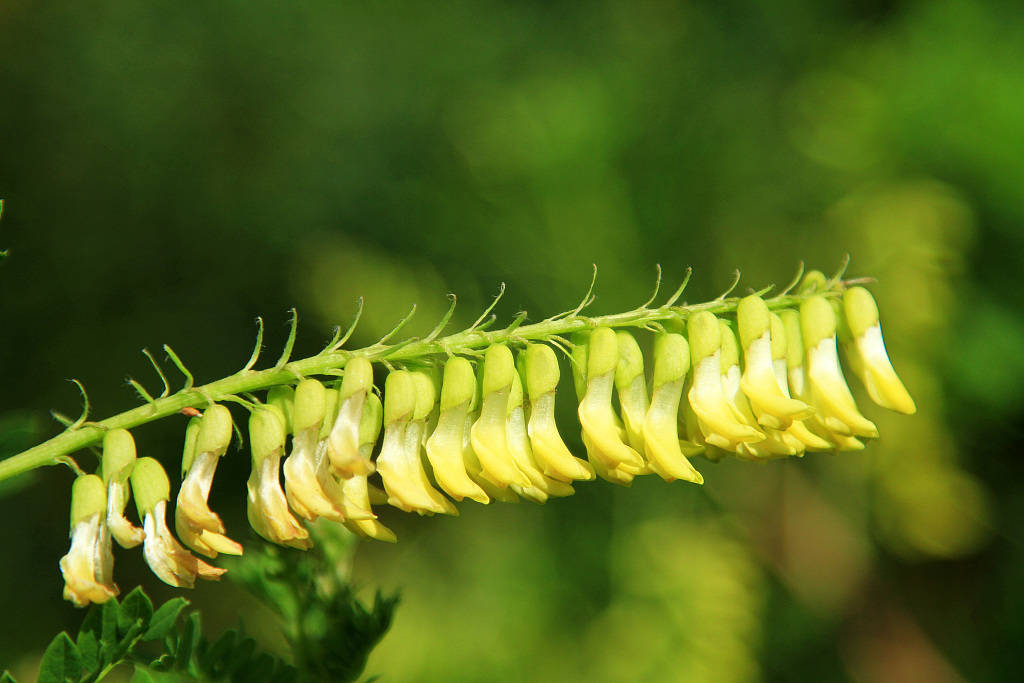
88	434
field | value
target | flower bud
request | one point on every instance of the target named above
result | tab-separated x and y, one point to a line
88	498
149	484
266	432
283	396
358	378
188	453
214	430
118	455
310	405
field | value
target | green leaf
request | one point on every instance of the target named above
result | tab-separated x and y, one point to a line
240	656
6	677
61	661
164	619
89	647
136	606
187	642
108	624
214	659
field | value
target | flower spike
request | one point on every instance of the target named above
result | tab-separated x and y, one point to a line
171	562
118	461
199	527
266	505
867	353
660	426
89	564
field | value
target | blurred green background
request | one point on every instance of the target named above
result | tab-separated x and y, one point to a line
171	172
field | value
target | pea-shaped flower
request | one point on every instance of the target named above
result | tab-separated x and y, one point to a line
118	461
867	353
829	393
773	408
199	527
631	387
165	556
266	505
552	455
343	442
356	489
89	565
781	343
408	401
487	435
302	485
541	486
601	427
716	418
660	427
774	443
445	445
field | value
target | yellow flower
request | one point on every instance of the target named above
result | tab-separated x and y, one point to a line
357	491
868	356
772	407
775	443
408	400
716	418
541	486
165	556
631	387
445	445
118	460
487	435
266	505
343	442
88	567
302	485
603	433
198	526
551	453
829	393
782	342
660	426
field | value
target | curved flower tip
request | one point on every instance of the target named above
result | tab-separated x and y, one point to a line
830	395
172	563
871	361
549	449
661	436
89	564
124	532
357	494
444	452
